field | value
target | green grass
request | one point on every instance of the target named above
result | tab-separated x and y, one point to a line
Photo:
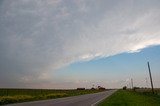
8	96
131	98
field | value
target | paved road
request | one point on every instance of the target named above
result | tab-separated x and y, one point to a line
82	100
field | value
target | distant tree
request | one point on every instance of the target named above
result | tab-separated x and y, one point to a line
124	88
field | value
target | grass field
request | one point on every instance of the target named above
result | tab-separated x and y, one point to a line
8	96
156	90
131	98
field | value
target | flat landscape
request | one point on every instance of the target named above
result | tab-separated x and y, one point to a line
81	100
8	96
132	98
43	97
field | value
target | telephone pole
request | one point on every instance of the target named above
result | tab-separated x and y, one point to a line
150	77
146	83
132	83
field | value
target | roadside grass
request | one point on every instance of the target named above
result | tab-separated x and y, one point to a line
8	96
23	98
131	98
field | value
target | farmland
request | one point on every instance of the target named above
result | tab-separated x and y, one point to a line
21	95
133	98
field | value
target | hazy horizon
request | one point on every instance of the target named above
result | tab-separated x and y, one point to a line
64	44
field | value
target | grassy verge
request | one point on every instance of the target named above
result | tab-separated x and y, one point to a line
8	96
130	98
23	98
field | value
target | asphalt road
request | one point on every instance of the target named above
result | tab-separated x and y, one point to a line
82	100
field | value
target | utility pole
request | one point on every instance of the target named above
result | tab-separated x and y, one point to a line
132	83
146	83
150	77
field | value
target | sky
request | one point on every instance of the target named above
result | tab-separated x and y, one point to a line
63	44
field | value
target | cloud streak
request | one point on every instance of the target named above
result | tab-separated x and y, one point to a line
37	36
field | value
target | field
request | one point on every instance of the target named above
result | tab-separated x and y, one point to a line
8	96
132	98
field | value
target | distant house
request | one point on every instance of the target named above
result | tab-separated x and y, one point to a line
80	88
101	88
93	88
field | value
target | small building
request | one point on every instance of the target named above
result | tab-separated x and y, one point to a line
93	88
80	88
101	88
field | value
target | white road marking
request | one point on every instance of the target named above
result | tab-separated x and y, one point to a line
103	98
98	101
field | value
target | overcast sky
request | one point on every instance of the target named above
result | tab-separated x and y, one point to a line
41	41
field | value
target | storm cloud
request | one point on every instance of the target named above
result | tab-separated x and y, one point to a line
40	36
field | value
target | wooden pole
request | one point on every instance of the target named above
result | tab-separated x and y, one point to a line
150	77
132	82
